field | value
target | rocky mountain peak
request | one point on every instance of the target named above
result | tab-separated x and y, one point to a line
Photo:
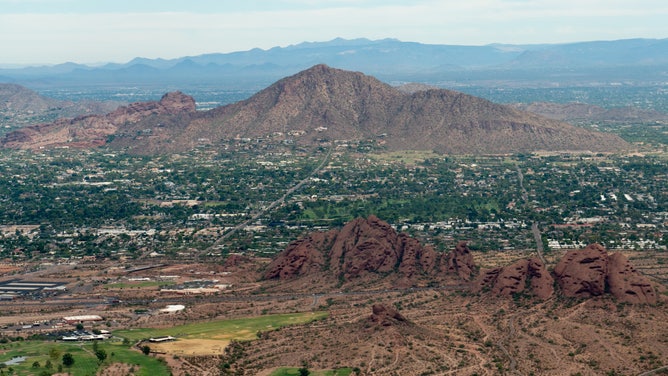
176	102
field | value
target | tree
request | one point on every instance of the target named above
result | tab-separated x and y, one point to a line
304	371
146	349
54	354
101	355
79	326
68	360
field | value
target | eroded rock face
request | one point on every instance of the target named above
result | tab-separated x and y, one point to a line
460	262
302	257
386	316
528	275
626	284
366	247
582	273
372	245
592	272
94	130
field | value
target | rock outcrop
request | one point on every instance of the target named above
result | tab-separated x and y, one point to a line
372	245
386	316
301	257
94	130
369	247
582	273
592	272
626	284
523	276
460	262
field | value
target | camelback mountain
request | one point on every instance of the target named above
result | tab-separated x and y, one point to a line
323	103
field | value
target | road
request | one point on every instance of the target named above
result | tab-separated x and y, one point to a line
273	205
230	298
537	236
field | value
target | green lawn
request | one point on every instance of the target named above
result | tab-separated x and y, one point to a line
241	329
85	362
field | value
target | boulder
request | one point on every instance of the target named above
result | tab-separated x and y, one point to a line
386	316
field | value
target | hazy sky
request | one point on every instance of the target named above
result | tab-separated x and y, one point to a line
92	31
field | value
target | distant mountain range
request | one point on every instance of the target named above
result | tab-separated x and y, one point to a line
389	60
320	105
20	106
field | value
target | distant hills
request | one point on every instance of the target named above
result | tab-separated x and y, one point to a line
387	59
322	105
582	112
20	106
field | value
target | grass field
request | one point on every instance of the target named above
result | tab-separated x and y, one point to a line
138	284
213	336
295	371
85	362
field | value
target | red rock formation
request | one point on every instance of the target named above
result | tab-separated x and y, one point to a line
302	257
592	272
626	284
366	247
528	275
386	316
582	273
460	262
93	130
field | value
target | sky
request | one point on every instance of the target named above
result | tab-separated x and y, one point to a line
36	32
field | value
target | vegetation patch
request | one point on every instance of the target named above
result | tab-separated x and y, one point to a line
46	358
405	156
211	337
138	285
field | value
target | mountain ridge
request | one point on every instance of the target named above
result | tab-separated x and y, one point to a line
388	59
20	106
323	104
